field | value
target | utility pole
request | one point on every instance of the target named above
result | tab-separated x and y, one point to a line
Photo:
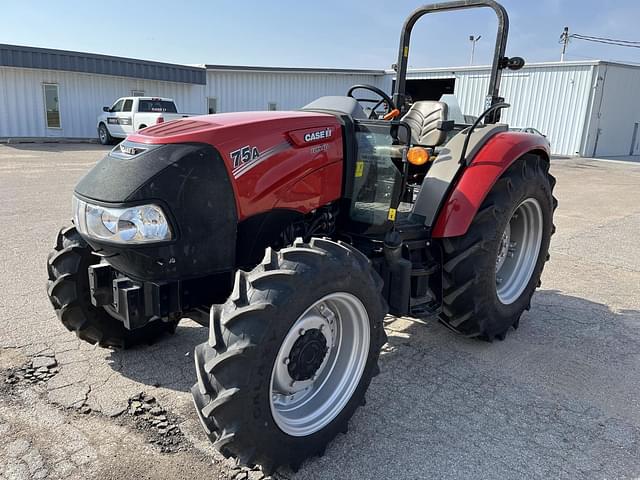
564	40
473	41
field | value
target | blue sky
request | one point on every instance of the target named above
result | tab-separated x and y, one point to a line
330	33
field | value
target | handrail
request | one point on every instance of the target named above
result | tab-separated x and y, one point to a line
492	108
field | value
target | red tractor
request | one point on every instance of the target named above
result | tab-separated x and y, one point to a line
292	234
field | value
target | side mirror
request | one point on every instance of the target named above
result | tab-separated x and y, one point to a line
106	109
513	63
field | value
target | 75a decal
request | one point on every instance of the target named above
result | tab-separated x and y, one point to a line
244	155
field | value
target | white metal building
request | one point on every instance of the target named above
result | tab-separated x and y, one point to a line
52	93
55	93
590	108
237	88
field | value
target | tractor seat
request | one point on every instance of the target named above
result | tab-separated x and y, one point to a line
425	119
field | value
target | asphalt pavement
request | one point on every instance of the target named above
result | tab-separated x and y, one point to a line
559	398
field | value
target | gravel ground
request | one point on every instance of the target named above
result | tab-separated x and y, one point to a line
557	399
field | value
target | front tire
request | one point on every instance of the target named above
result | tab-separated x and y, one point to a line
491	273
290	354
104	137
68	290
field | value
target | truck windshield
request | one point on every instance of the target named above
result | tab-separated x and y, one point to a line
157	106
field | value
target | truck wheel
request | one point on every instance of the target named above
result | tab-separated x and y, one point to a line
68	290
491	273
290	354
104	136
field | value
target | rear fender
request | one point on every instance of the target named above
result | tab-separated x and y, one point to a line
476	181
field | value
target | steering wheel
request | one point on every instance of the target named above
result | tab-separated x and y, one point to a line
392	110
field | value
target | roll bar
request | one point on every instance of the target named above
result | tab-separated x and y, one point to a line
499	59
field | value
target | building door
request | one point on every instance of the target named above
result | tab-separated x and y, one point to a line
635	140
430	89
212	105
427	89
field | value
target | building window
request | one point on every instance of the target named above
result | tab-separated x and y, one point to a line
272	106
51	105
212	105
137	93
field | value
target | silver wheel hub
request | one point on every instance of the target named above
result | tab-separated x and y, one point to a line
518	251
319	364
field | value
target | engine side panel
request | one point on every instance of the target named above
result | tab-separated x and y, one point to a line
299	177
493	159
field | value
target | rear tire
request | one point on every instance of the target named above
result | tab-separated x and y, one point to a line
475	300
68	290
237	368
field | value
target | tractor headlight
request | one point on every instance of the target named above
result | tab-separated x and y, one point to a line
139	224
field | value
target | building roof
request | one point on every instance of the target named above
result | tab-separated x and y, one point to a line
49	59
566	64
249	68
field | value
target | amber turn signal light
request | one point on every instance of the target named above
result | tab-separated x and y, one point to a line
418	156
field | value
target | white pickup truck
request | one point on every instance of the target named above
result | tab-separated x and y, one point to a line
130	114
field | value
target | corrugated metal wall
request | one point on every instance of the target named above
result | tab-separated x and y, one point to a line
553	99
573	103
239	91
81	97
615	113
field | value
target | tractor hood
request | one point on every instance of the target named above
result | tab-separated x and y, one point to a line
209	174
190	184
241	140
217	129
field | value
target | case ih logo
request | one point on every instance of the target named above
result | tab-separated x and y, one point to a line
318	135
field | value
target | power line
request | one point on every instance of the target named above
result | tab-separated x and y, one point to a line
617	43
608	39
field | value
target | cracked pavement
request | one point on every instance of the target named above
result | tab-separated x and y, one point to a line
557	399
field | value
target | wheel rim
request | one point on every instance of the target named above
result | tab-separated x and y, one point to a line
308	389
518	251
103	134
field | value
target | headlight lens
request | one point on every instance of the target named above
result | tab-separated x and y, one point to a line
139	224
